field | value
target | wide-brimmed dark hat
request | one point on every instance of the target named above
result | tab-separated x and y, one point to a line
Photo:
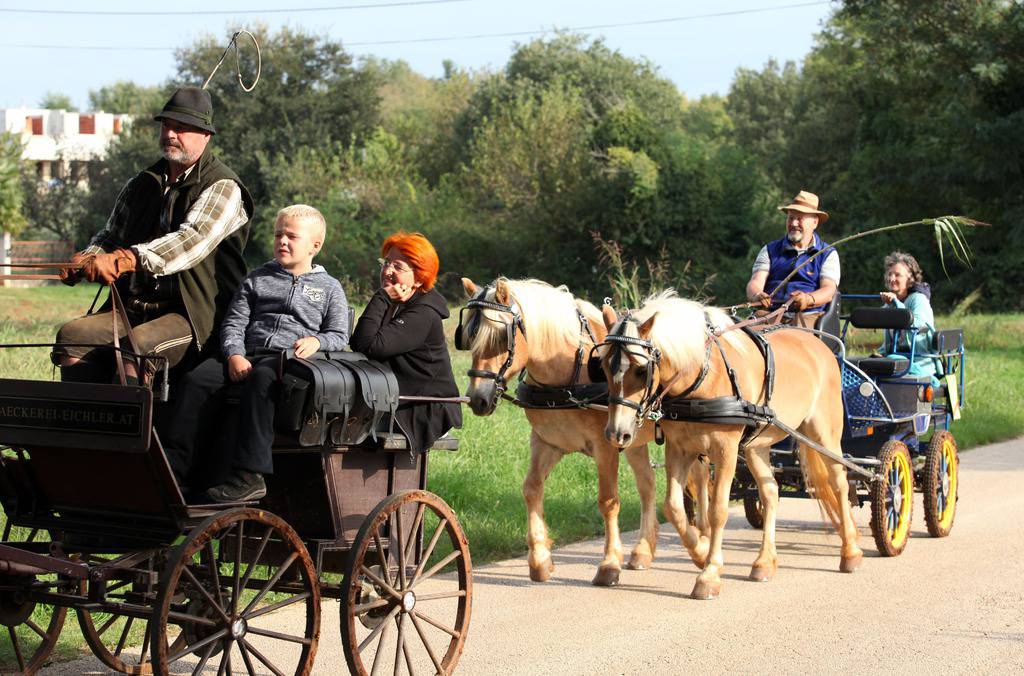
191	105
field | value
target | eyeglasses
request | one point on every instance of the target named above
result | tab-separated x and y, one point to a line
397	266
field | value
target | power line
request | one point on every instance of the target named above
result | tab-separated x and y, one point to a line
648	22
478	36
210	12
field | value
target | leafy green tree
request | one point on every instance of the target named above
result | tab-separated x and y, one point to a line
11	196
57	101
128	97
309	95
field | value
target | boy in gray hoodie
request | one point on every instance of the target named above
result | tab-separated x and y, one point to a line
288	303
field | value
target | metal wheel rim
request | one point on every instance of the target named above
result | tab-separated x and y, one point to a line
898	499
947	484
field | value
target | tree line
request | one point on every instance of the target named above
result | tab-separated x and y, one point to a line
573	154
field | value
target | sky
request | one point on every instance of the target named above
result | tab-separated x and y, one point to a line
698	44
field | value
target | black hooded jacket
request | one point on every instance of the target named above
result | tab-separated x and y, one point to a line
409	337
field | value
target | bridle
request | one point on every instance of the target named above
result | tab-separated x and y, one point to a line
466	330
649	405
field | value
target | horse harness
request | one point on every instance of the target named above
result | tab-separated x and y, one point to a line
528	395
726	410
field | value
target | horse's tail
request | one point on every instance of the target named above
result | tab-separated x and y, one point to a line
816	479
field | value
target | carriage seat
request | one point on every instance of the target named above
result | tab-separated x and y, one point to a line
828	323
891	318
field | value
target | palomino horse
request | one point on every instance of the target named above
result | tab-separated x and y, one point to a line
670	342
529	324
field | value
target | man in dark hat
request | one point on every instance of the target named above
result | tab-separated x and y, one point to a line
172	246
815	283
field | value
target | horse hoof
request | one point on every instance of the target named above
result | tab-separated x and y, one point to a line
762	573
606	577
705	591
639	561
542	573
848	564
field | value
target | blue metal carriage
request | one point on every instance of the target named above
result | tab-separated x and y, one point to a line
897	426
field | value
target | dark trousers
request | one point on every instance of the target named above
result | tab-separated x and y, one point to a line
197	423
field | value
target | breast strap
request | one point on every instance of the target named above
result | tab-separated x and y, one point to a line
730	410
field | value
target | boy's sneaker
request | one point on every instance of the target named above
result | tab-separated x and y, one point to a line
242	486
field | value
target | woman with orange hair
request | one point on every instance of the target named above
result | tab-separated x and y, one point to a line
402	327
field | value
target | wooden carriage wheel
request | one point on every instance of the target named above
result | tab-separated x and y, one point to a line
403	610
30	630
892	499
220	587
941	484
753	510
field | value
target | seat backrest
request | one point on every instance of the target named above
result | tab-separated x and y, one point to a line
828	322
949	340
896	318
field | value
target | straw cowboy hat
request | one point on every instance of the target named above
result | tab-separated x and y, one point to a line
807	203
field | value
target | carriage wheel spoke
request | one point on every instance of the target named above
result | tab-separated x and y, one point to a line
235	589
184	618
400	648
380	582
17	647
37	629
271	582
106	625
408	658
277	606
415	527
124	636
225	660
259	553
428	551
380	555
206	658
440	595
427	618
281	637
215	572
401	548
364	608
426	644
145	645
438	566
378	629
245	658
267	663
378	656
216	636
206	595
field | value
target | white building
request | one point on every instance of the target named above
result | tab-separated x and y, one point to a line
59	142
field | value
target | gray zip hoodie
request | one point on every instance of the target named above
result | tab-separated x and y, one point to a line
273	308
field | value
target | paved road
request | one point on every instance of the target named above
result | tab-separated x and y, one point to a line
945	605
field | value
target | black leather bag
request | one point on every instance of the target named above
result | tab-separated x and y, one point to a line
336	397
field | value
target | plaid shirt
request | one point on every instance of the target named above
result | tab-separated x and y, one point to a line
217	213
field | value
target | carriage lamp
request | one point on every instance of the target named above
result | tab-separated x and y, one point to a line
926	393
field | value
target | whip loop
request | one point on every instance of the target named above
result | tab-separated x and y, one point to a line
238	62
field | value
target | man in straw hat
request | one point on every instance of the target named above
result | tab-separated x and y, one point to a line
814	285
172	246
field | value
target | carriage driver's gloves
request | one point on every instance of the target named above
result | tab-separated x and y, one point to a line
72	276
107	267
802	301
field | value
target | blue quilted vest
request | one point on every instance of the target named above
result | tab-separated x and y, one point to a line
783	258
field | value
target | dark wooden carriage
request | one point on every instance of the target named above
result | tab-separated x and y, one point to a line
97	523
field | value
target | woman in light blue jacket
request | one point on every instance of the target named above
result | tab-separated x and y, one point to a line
907	289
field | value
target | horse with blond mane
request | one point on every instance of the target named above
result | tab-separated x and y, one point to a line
516	325
684	349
